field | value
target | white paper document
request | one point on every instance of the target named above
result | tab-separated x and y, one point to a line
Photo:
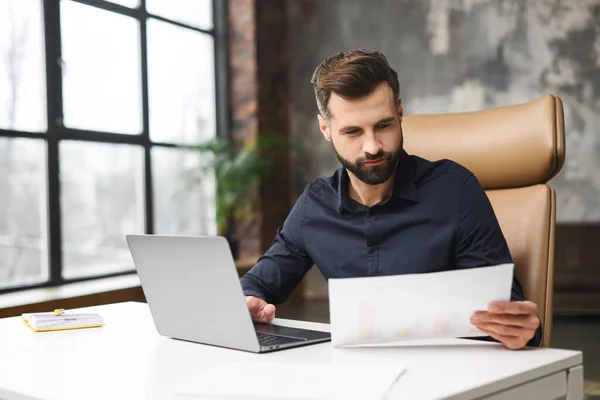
384	309
275	380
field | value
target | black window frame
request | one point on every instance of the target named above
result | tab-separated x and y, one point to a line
57	132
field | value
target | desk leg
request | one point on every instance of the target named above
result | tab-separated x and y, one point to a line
575	383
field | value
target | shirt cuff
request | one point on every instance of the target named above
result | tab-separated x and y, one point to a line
250	288
536	340
254	293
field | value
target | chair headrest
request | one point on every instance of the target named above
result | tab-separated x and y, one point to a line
505	147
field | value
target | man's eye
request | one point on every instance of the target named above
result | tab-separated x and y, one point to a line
383	126
352	132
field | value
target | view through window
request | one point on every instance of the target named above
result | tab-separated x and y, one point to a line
100	103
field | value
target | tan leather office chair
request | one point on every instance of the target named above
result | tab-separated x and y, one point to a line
513	151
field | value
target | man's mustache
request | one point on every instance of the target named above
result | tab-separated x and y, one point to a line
372	157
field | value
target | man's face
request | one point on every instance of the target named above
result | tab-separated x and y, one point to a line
366	134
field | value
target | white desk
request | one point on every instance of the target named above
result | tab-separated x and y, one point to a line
127	359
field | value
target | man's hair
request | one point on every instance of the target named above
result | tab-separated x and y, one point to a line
352	74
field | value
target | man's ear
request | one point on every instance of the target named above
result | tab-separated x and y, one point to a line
400	110
324	127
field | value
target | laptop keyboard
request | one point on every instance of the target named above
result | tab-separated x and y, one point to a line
271	340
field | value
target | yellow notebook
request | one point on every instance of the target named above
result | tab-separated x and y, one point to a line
57	321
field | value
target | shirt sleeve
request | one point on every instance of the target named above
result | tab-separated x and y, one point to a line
479	238
279	271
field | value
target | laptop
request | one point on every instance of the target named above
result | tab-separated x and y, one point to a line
194	293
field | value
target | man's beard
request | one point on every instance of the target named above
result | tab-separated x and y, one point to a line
376	174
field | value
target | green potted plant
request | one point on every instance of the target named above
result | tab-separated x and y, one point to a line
236	172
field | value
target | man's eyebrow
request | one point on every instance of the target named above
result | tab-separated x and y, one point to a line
383	121
349	128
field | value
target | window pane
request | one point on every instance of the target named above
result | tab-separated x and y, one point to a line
127	3
196	13
101	69
101	201
23	216
179	207
22	66
181	84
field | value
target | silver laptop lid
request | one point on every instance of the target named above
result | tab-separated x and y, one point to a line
193	290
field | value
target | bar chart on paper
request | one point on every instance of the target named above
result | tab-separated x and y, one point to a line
403	307
373	325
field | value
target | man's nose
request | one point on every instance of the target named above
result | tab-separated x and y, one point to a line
372	145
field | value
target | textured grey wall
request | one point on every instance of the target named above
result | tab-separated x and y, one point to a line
454	56
464	55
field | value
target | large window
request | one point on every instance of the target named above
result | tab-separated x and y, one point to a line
100	102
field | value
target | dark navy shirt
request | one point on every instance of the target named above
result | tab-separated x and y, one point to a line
438	218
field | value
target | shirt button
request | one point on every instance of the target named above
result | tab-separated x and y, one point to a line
371	249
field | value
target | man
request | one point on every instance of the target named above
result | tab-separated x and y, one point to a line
385	212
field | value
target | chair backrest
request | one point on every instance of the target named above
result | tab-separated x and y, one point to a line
513	151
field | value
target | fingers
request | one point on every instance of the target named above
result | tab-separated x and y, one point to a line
510	342
254	303
520	320
269	312
512	323
255	306
514	307
513	331
260	310
506	330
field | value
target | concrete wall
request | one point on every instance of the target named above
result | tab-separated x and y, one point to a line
464	55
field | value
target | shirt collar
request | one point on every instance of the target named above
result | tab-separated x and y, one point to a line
404	183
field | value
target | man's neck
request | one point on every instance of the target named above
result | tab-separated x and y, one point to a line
369	195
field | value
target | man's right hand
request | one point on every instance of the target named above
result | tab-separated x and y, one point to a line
260	310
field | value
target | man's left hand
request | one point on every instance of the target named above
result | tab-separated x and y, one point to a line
513	323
